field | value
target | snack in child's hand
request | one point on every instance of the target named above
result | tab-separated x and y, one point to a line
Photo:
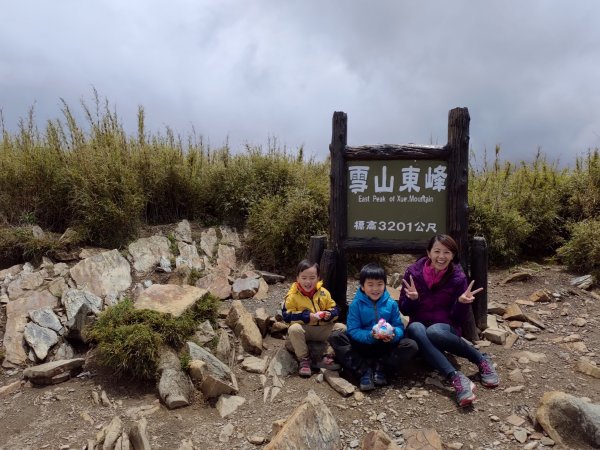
321	314
382	329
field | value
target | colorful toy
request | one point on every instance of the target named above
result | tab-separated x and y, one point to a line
382	329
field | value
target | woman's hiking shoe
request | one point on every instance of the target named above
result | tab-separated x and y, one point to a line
366	381
305	370
328	363
463	388
379	376
487	373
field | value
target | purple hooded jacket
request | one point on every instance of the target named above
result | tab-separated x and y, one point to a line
440	305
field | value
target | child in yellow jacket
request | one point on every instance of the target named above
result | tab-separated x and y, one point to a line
312	312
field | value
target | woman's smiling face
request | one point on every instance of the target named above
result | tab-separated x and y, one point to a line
440	256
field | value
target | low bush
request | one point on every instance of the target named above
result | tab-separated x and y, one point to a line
280	228
581	253
129	340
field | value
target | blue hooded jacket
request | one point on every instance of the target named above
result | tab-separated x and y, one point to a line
363	313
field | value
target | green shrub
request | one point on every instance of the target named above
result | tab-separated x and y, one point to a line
129	340
581	253
17	244
281	227
582	193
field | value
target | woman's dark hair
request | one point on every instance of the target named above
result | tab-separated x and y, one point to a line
372	271
451	245
306	264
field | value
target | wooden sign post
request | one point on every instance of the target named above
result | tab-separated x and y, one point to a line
393	198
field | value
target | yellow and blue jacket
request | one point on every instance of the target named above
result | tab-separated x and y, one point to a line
297	307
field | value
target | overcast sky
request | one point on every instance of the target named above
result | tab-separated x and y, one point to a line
246	71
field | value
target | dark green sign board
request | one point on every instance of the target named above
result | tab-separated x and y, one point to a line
396	199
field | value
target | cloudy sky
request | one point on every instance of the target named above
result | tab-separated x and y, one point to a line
245	72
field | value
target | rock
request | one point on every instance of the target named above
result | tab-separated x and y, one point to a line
338	383
426	439
583	282
243	325
262	320
518	276
226	257
279	329
263	289
54	371
223	350
228	404
256	439
511	389
496	336
311	425
40	339
217	284
540	296
378	440
585	366
26	281
103	274
569	421
282	364
214	377
64	351
244	288
226	433
531	356
579	322
520	435
255	365
514	312
139	435
10	388
175	388
169	298
510	340
75	298
271	278
188	256
516	376
208	242
46	318
85	316
16	319
183	232
112	433
146	252
496	308
204	333
230	237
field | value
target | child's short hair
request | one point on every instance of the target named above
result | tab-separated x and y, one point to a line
372	271
306	264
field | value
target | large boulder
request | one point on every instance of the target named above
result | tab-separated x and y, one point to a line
105	274
571	421
169	298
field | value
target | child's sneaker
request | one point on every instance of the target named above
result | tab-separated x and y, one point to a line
328	363
305	370
489	377
379	376
366	380
463	388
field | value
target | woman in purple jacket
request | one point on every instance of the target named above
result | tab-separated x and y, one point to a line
436	298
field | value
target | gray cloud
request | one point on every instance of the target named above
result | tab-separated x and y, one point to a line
247	71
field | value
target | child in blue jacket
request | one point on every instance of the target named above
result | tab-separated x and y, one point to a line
361	351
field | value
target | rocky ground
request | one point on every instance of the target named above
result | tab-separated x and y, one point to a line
65	416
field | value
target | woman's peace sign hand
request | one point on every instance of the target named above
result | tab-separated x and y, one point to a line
468	296
410	289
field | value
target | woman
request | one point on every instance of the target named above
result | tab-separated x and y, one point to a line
436	298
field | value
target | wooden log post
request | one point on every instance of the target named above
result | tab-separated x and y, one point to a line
337	206
479	273
458	204
316	247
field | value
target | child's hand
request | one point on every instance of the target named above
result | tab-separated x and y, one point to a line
327	315
410	289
